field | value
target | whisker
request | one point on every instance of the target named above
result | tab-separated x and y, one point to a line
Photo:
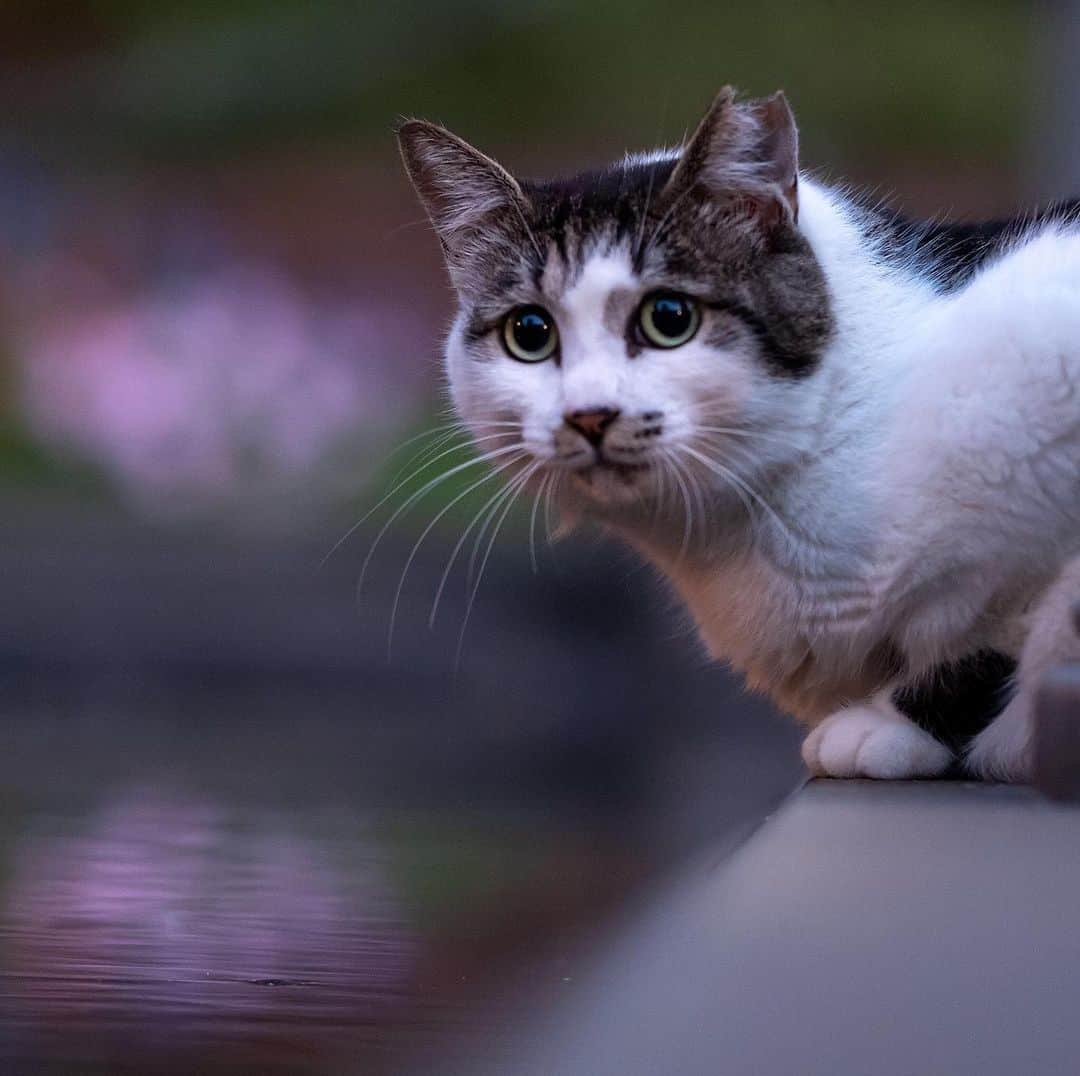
517	486
396	488
451	429
697	488
723	472
658	230
423	433
495	499
532	522
467	438
475	555
670	490
677	474
427	530
547	505
355	526
415	223
658	500
478	541
639	250
428	450
426	488
529	233
753	435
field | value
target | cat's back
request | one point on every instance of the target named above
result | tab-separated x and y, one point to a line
983	457
993	368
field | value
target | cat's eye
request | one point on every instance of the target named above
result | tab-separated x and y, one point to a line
668	319
530	334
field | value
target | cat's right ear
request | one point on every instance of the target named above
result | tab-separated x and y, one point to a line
464	191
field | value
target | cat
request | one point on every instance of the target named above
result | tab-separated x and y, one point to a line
851	442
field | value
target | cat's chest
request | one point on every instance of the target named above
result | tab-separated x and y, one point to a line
840	623
807	638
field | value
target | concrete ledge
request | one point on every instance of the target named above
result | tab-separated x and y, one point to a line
865	928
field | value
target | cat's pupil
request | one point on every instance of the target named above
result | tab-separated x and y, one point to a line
532	330
671	316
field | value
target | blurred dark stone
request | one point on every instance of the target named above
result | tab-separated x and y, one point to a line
1057	734
247	665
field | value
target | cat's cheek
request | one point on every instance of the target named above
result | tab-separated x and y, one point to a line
481	383
460	378
700	386
722	380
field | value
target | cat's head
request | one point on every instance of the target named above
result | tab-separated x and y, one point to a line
641	329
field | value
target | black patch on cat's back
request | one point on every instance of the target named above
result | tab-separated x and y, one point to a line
951	252
960	699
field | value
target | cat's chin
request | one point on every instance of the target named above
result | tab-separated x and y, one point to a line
614	484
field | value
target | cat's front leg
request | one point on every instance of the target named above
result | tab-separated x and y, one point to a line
873	739
1003	751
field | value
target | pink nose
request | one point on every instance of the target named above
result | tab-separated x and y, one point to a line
591	424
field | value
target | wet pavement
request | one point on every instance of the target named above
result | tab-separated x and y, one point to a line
235	837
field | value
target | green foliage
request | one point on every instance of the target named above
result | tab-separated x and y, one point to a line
457	868
933	79
26	466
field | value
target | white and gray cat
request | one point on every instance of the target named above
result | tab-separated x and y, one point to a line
852	443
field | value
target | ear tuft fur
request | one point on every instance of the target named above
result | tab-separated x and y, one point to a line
746	152
463	190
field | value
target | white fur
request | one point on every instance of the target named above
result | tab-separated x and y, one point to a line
922	486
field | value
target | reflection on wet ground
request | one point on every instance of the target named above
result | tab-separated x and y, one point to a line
160	932
165	922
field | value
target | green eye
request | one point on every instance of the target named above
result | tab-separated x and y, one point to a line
668	319
530	334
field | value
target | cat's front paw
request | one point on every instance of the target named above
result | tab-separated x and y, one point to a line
865	741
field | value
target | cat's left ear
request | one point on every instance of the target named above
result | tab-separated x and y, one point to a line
464	191
746	152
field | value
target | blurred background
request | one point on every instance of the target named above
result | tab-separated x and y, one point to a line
240	827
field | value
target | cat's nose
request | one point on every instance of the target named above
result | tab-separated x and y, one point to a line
591	424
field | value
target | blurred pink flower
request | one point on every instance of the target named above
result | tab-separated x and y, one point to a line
200	389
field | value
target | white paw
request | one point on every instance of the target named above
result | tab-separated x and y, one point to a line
862	741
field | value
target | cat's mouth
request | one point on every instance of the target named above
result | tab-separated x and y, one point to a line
620	470
602	463
607	479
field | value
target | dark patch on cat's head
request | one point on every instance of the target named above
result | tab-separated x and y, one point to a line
609	204
717	218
